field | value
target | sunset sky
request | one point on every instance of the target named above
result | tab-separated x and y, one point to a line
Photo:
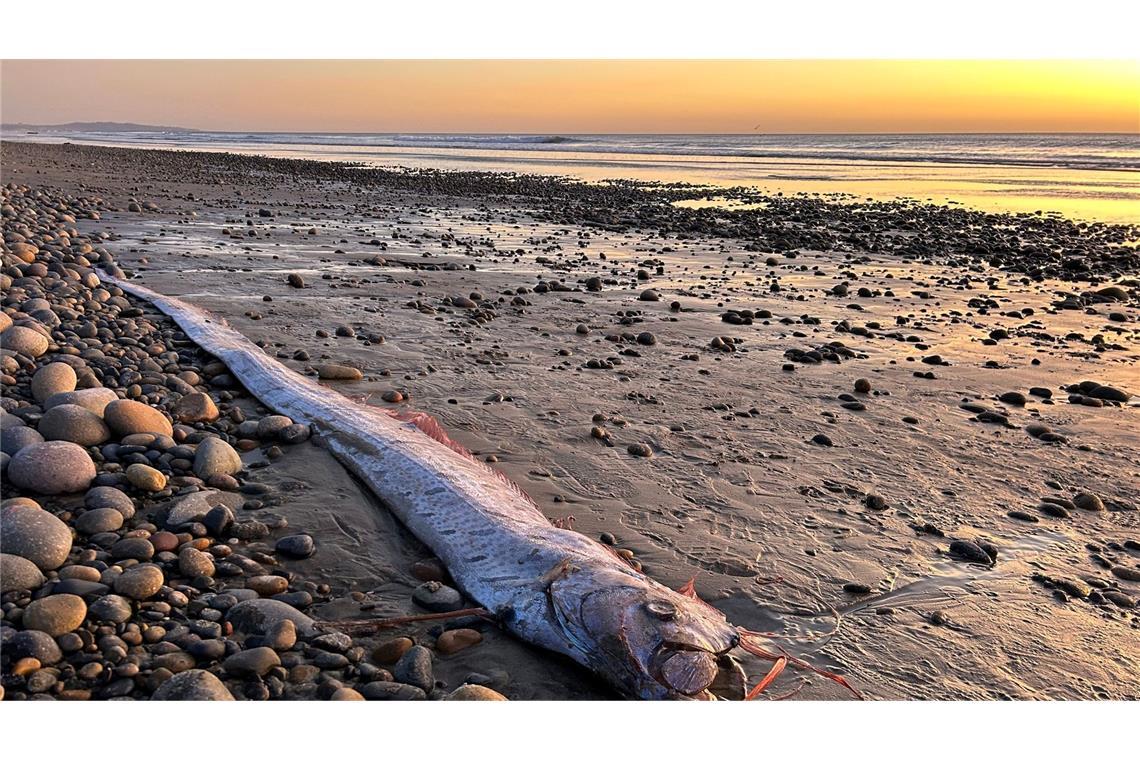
581	96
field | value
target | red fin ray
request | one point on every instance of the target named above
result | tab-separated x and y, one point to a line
778	666
430	427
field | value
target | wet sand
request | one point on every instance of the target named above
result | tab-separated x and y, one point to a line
736	492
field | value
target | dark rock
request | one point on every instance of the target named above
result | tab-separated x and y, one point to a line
970	552
436	597
299	546
414	668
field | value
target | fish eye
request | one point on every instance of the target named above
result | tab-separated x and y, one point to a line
661	609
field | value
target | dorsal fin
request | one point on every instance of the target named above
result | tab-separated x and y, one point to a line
689	589
430	427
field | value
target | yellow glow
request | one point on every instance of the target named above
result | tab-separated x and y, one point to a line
582	96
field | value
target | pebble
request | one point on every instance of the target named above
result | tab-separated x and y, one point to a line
436	597
346	694
164	541
19	574
55	615
1108	393
110	608
1126	573
267	585
216	457
256	617
390	690
126	417
249	530
207	650
1074	588
457	639
31	643
331	661
474	693
41	682
1018	514
80	572
52	467
1119	599
190	508
102	520
299	546
390	651
35	535
970	552
24	340
218	520
1089	502
193	563
271	425
875	502
16	439
134	547
94	400
145	478
414	669
195	407
640	450
53	378
338	372
193	686
74	423
429	570
25	667
294	434
140	582
281	636
251	663
102	497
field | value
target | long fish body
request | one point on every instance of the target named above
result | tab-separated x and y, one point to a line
551	587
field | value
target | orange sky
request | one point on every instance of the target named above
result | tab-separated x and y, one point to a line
581	96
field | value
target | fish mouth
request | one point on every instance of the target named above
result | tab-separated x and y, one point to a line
686	669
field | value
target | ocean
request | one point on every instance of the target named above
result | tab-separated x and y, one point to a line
1093	177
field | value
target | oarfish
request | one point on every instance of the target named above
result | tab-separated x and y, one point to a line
552	587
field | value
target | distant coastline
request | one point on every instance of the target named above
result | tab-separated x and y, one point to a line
95	126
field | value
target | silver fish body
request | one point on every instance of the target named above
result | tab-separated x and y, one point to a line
551	587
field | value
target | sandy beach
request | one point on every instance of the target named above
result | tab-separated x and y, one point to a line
919	421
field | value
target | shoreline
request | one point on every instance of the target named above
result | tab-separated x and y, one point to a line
1090	194
737	489
630	204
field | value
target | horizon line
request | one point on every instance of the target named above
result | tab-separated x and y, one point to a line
173	128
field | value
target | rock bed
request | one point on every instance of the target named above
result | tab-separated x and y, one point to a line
131	567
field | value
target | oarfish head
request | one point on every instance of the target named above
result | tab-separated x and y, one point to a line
647	640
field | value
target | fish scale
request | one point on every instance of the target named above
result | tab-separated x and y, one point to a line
499	548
